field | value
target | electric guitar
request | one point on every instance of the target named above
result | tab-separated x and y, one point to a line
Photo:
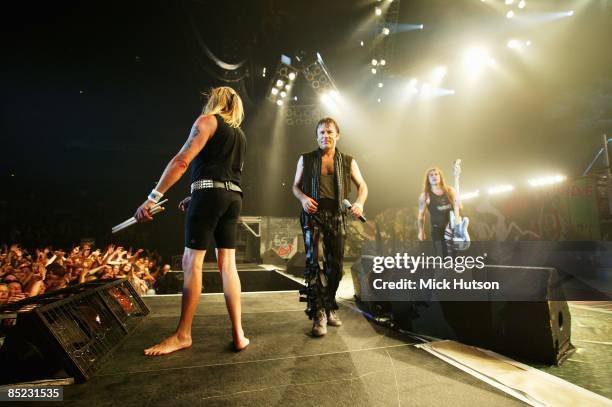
458	225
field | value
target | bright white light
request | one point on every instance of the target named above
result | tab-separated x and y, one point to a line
334	95
386	31
555	179
570	13
378	11
500	189
379	100
514	44
421	26
326	99
476	59
279	102
521	4
295	98
469	195
283	94
528	43
374	71
374	62
263	73
426	89
508	2
361	43
380	84
438	74
510	14
275	91
280	83
383	62
412	86
291	76
287	87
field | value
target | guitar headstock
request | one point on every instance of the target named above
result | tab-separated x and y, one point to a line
457	167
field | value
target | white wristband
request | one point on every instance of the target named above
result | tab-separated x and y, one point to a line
155	196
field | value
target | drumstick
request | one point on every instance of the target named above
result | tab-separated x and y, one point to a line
129	222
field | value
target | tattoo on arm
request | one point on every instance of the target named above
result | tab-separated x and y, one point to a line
194	133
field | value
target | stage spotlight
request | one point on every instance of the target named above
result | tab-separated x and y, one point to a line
476	59
510	14
386	31
379	100
500	189
438	74
383	62
279	82
378	11
374	62
327	100
263	73
514	44
374	71
279	102
295	98
361	43
470	195
380	84
421	26
537	182
521	4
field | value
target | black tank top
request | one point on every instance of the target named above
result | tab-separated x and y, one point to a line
222	157
439	209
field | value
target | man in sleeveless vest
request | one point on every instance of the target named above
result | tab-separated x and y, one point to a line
322	181
216	148
438	199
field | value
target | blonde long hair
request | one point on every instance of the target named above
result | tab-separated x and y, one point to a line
427	185
225	102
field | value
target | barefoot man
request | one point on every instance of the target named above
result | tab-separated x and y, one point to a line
215	149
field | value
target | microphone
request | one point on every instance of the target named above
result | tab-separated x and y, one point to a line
347	205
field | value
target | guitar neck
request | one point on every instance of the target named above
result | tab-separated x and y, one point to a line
457	202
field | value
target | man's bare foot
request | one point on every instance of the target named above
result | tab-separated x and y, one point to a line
169	345
241	343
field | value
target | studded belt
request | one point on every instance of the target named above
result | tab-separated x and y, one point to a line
209	183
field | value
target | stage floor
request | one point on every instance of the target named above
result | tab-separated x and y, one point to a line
358	364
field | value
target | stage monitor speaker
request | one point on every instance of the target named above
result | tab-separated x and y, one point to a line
297	265
538	331
69	331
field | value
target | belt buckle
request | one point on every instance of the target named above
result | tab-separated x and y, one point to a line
228	185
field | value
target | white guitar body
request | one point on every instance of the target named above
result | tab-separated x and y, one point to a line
458	225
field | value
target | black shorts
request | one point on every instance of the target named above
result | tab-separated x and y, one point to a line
213	212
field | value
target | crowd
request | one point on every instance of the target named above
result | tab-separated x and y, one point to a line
27	274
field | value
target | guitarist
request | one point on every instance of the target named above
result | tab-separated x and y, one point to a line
439	200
